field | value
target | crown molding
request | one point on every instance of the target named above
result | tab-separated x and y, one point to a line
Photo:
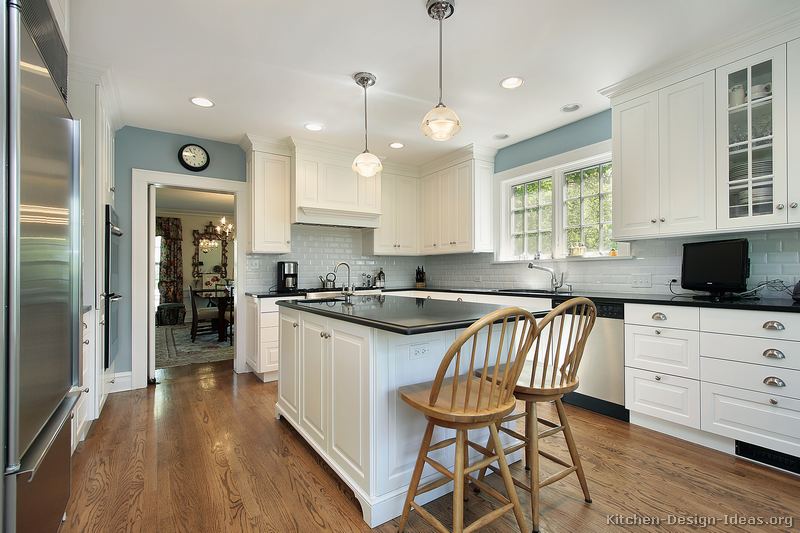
465	153
761	37
410	171
83	69
264	144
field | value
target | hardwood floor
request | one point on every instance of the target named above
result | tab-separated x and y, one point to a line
203	452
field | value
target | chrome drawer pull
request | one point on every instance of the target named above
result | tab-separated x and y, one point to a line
773	401
295	324
658	378
659	316
773	325
658	332
772	353
460	299
774	382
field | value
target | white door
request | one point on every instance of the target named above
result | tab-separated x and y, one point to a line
270	203
686	154
635	162
406	214
793	122
385	235
431	213
348	384
289	343
314	378
751	141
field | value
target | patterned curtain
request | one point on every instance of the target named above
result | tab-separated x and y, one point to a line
170	277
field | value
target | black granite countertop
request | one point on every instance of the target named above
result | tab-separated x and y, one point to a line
753	304
299	292
398	314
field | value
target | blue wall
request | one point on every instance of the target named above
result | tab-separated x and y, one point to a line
584	132
156	150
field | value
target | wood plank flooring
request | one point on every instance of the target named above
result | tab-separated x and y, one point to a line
203	452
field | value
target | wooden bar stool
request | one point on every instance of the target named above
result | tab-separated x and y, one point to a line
478	395
547	377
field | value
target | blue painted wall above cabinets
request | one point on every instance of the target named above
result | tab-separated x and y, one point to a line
589	130
156	150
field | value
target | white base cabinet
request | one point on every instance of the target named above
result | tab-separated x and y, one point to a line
262	344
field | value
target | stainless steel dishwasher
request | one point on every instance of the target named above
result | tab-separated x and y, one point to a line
602	370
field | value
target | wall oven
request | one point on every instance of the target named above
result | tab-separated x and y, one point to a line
111	293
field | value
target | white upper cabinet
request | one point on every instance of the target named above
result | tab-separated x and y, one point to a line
751	141
686	137
397	233
269	177
431	214
635	163
327	191
793	135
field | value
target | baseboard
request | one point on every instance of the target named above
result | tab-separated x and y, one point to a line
123	381
83	429
598	406
697	436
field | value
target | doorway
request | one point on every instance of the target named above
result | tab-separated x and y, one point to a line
193	282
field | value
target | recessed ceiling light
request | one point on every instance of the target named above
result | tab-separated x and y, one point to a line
501	136
396	145
202	102
314	126
569	108
512	82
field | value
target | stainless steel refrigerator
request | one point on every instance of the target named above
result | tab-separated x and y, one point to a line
41	269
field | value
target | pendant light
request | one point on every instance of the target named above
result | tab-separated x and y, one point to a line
440	123
365	163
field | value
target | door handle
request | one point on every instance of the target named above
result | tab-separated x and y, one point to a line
773	325
774	382
772	353
115	297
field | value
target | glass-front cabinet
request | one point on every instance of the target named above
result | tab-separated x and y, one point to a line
751	141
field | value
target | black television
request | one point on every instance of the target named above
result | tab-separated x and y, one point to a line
718	267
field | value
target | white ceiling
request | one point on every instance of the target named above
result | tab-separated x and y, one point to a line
272	66
190	201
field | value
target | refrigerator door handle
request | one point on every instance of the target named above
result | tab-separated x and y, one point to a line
41	446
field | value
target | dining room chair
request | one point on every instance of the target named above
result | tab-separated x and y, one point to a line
204	319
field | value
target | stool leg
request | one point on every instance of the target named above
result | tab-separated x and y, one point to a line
573	450
466	465
415	477
532	451
458	484
507	479
490	449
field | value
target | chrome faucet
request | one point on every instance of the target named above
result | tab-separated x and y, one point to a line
555	284
348	290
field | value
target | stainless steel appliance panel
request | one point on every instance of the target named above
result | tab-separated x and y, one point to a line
44	249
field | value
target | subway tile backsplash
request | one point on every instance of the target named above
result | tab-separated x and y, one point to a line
317	249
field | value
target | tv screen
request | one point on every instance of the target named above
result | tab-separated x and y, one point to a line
716	267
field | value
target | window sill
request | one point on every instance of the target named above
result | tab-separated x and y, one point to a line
576	259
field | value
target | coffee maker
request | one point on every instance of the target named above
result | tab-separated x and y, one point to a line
287	276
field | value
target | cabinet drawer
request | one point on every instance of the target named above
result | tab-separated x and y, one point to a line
777	353
269	320
672	351
269	334
766	379
754	417
663	315
267	305
765	324
663	396
269	357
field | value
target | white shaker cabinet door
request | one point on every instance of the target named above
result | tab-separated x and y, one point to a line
635	161
289	363
687	157
385	241
270	215
406	214
461	215
314	363
431	215
793	122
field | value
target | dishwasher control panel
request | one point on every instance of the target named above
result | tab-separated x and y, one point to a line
613	310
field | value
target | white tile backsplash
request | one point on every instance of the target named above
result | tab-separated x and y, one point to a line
317	249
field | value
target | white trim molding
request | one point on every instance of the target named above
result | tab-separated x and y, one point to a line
142	301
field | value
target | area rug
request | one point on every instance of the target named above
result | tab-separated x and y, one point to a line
174	347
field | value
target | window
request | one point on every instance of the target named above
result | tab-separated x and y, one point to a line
587	208
551	210
532	218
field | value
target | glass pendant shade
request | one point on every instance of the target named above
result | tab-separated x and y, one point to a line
440	123
367	164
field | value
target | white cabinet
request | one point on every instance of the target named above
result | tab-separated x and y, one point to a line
263	355
269	177
793	124
635	162
289	363
397	233
456	209
326	190
751	141
674	351
663	158
671	398
314	368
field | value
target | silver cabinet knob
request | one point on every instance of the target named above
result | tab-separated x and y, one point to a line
793	205
772	381
460	299
288	242
658	332
662	219
773	325
322	334
779	207
86	341
658	378
428	298
773	401
295	325
653	220
772	353
434	245
659	316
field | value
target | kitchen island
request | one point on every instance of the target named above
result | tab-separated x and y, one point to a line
341	365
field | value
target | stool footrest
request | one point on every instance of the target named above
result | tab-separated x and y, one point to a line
439	467
516	435
517	482
546	422
433	485
479	448
442	444
488	489
555	459
483	463
429	518
549	432
555	477
488	518
511	418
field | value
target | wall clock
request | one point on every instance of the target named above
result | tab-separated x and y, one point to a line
193	157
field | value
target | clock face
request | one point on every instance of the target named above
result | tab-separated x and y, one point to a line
193	157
